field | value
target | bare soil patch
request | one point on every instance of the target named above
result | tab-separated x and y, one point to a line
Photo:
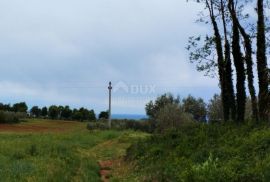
48	126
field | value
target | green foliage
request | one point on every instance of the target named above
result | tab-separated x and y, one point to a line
215	111
153	107
103	115
44	112
20	107
53	112
120	125
35	111
191	105
201	152
201	52
5	107
83	115
71	156
66	113
17	107
195	107
171	116
11	117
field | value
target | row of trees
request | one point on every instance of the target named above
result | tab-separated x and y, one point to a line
54	112
194	108
231	43
17	107
63	112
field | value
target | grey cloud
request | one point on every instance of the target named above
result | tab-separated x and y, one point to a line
69	50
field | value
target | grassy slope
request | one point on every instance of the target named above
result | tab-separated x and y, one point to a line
201	153
46	153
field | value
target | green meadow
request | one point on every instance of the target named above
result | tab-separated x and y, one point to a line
46	151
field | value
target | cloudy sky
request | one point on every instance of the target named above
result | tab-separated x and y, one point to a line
66	52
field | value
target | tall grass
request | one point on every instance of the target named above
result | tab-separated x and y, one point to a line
201	152
50	157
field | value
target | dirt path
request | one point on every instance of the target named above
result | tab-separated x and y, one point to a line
110	153
105	170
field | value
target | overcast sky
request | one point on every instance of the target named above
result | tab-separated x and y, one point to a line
66	52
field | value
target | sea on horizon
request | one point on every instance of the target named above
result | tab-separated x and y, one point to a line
129	116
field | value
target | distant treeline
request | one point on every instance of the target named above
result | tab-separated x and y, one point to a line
63	112
52	112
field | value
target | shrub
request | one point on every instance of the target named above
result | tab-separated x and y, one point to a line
100	125
120	125
171	117
204	152
11	117
103	115
153	107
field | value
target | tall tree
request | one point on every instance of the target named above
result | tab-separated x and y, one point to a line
35	111
44	112
220	57
248	59
262	63
240	70
230	95
195	107
20	107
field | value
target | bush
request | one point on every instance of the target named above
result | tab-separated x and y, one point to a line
120	125
11	117
100	125
204	152
171	117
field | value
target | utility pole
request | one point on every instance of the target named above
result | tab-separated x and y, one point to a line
110	104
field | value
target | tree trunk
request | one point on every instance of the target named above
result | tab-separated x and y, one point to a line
240	72
249	61
262	63
218	43
228	69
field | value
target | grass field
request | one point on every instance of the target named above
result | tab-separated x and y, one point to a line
43	150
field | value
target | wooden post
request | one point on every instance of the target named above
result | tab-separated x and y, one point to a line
110	104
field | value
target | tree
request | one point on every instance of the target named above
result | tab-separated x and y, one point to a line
262	63
53	112
44	112
220	58
171	117
87	115
217	58
66	113
5	107
214	109
35	111
60	110
92	115
153	107
228	14
103	115
77	115
195	107
230	110
83	115
240	69
20	107
248	59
